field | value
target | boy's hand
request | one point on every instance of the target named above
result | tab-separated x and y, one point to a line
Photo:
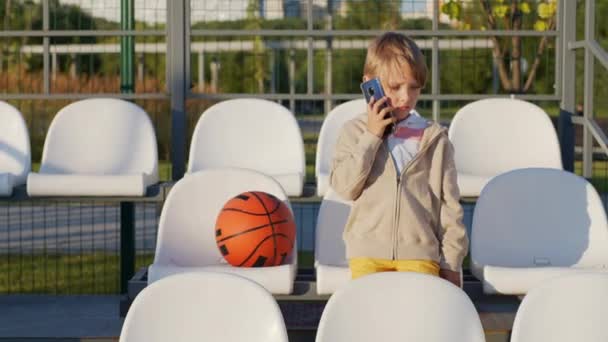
451	276
376	123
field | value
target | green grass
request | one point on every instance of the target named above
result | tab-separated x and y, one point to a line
93	273
599	177
306	259
310	150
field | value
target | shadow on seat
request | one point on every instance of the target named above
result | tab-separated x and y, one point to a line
330	256
533	224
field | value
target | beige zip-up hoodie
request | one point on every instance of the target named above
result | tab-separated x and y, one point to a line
415	215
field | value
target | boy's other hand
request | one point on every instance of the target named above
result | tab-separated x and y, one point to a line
376	113
451	276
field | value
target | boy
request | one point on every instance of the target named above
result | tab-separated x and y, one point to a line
406	214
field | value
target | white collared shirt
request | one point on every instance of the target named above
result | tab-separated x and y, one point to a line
404	142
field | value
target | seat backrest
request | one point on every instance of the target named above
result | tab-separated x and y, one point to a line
101	136
496	135
330	131
204	306
15	154
563	309
399	306
332	217
248	133
538	217
186	231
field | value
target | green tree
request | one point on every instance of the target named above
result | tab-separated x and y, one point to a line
17	15
258	66
4	48
508	15
370	14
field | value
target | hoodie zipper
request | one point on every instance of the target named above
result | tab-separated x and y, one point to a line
395	218
398	199
395	209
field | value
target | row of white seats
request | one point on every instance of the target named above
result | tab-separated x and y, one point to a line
111	148
490	137
387	306
92	147
108	147
186	242
528	225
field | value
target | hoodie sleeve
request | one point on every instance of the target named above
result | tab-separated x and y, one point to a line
453	235
353	159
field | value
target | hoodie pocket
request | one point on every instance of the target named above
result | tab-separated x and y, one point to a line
367	221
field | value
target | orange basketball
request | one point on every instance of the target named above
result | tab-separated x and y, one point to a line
255	229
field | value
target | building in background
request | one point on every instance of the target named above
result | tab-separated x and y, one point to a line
410	9
222	10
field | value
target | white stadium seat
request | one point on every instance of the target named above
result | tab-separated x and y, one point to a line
493	136
186	233
254	134
97	147
564	309
330	256
399	306
533	224
204	306
15	154
328	136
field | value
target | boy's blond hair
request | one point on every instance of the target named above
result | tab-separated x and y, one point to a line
394	50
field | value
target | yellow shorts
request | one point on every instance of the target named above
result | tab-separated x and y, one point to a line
363	266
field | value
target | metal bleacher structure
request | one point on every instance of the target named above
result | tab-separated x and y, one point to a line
488	284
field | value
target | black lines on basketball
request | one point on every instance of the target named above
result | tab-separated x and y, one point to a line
224	250
261	260
277	205
275	201
255	250
274	209
245	212
283	257
274	253
284	236
249	231
273	236
241	203
258	231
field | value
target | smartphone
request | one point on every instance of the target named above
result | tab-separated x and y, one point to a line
373	88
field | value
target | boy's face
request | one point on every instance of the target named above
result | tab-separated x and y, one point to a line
401	88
